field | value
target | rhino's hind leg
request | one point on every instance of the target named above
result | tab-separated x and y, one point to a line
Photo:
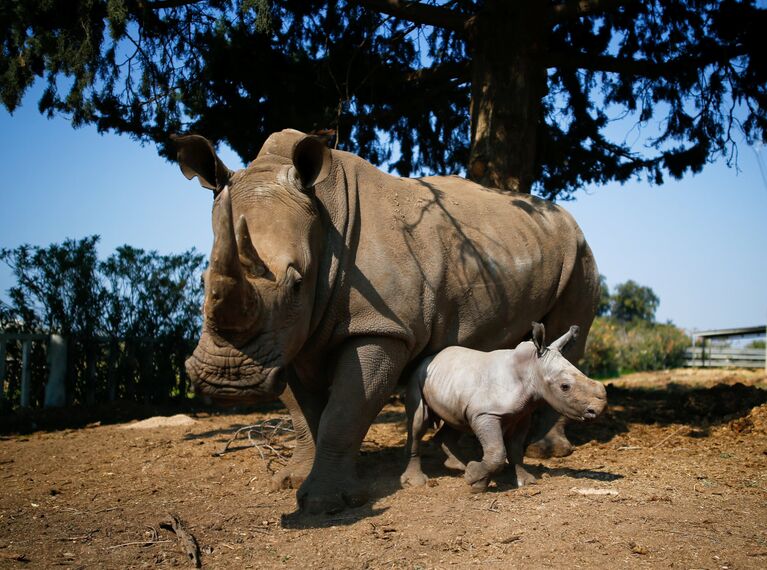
417	424
447	438
305	414
515	450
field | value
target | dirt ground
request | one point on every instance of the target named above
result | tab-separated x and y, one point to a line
674	475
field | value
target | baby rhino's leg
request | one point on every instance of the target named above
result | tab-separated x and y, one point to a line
416	428
490	434
447	438
515	448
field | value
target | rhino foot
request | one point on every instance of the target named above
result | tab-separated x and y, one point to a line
413	478
549	447
292	475
524	477
548	436
330	497
477	476
452	462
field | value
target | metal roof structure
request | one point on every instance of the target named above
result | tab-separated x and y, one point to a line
740	332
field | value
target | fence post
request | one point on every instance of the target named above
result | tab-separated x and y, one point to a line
56	387
2	369
26	374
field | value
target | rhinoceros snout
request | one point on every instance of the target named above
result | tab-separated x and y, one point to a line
230	376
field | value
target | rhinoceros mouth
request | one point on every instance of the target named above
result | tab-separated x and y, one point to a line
229	374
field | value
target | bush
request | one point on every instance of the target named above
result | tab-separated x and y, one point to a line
128	320
602	349
615	347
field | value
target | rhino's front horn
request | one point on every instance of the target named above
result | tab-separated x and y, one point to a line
232	302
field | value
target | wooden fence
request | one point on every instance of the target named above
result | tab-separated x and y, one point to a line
714	357
57	366
34	368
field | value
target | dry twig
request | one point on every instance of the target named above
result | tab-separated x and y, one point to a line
261	436
669	436
138	542
187	540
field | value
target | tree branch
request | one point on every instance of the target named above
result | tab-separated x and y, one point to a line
162	4
416	12
460	70
640	67
571	9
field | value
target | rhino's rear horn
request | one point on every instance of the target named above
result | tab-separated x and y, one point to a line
249	258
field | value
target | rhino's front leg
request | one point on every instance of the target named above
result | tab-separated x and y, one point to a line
365	375
515	449
489	432
305	409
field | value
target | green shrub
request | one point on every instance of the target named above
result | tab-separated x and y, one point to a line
614	346
602	349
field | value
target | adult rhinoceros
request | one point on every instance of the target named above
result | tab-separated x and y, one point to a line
328	278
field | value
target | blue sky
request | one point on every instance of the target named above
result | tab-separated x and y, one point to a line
700	243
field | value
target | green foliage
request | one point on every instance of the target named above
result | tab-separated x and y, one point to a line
128	320
756	344
603	309
238	70
633	302
602	350
615	346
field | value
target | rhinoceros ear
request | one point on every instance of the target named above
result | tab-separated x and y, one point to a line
197	157
566	340
539	338
311	159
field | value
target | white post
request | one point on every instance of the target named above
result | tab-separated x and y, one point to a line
2	369
55	388
26	374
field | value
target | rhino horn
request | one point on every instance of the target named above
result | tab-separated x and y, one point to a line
233	301
249	258
561	344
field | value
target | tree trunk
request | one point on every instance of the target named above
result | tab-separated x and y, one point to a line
508	85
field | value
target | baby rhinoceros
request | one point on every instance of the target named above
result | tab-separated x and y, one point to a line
493	394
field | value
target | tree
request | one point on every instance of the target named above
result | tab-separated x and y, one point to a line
139	309
633	302
521	93
603	309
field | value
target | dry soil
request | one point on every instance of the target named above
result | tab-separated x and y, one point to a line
674	475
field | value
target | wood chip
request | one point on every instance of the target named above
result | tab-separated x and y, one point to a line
593	491
17	556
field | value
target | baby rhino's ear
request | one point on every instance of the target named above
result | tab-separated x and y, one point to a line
539	338
566	340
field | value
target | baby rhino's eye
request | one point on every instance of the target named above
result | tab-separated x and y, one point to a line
565	387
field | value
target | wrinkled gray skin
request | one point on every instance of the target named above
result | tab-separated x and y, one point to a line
494	394
328	278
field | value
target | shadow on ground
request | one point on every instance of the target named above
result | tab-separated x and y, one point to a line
77	417
699	408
